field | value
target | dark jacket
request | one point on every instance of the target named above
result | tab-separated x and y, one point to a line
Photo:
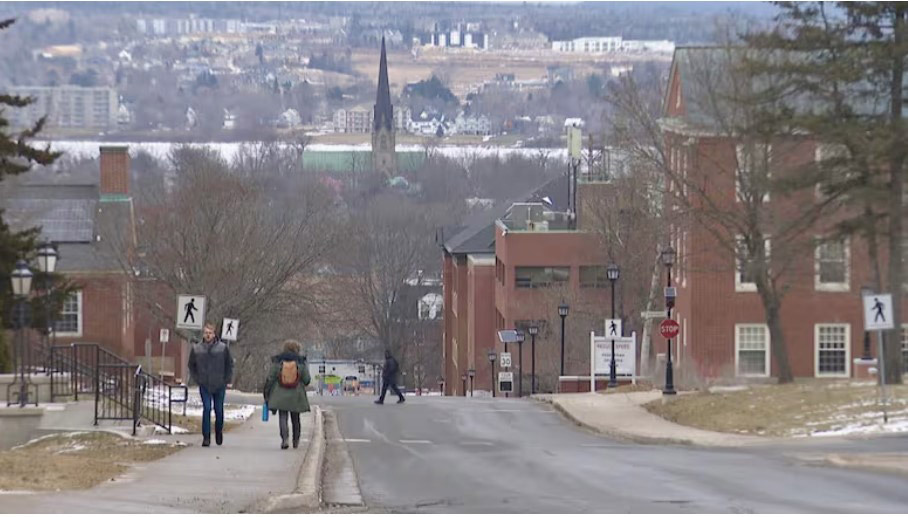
389	372
210	365
287	399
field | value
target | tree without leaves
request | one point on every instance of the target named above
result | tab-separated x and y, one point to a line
734	101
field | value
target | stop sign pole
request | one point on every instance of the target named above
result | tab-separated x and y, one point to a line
668	258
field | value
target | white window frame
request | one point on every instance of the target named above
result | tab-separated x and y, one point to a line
741	162
816	351
748	287
79	316
836	287
767	368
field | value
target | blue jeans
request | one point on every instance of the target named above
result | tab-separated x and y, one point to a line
207	397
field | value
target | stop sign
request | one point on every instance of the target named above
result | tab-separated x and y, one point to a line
669	328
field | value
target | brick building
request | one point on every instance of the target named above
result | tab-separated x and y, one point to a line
509	267
724	331
92	225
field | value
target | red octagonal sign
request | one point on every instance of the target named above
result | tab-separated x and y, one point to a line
669	328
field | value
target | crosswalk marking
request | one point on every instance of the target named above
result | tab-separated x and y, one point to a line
416	441
489	444
357	440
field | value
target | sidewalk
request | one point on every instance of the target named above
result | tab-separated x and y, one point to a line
622	416
247	469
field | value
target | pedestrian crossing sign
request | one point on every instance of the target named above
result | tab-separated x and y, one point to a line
878	312
190	311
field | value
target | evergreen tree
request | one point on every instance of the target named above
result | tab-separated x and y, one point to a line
16	157
847	60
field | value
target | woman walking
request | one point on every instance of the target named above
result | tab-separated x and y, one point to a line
285	389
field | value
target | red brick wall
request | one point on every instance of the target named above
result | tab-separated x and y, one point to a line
482	336
114	170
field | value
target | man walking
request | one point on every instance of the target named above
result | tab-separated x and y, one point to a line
389	379
211	367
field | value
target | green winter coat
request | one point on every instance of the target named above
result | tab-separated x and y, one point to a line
287	399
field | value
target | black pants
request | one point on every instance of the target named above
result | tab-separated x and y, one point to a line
385	384
294	419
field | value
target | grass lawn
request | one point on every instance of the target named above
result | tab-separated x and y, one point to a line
74	461
797	409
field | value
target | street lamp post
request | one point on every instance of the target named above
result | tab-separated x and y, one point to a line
668	258
463	379
21	279
492	357
613	273
47	264
533	330
472	373
520	339
866	291
563	312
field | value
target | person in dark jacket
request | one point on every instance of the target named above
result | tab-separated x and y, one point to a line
288	396
389	379
211	367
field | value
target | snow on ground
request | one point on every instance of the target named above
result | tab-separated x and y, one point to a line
870	422
239	412
160	150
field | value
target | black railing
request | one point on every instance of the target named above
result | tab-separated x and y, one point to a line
122	391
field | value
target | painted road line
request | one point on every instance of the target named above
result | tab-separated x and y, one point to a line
357	440
488	444
427	442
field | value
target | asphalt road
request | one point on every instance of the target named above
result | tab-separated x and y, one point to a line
458	455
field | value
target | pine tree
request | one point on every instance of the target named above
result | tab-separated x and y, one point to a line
848	61
16	157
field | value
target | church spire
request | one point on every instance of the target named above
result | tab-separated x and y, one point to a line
384	113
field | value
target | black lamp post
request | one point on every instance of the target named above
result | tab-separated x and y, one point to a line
472	373
47	264
563	312
21	279
492	357
463	379
668	258
613	273
533	330
866	291
520	338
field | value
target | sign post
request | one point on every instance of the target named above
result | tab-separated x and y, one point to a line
164	337
505	382
505	359
878	317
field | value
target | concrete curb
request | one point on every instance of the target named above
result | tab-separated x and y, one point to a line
308	492
615	434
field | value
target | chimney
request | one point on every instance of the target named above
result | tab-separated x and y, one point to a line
114	170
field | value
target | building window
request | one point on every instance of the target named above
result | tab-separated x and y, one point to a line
744	277
833	351
752	350
533	277
753	171
70	322
832	261
593	276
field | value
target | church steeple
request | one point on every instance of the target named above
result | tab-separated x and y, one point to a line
384	112
384	155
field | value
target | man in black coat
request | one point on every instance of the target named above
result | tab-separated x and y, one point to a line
389	379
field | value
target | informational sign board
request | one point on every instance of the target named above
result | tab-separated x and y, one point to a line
505	359
165	336
625	354
878	312
230	329
669	329
612	328
505	382
575	142
190	311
